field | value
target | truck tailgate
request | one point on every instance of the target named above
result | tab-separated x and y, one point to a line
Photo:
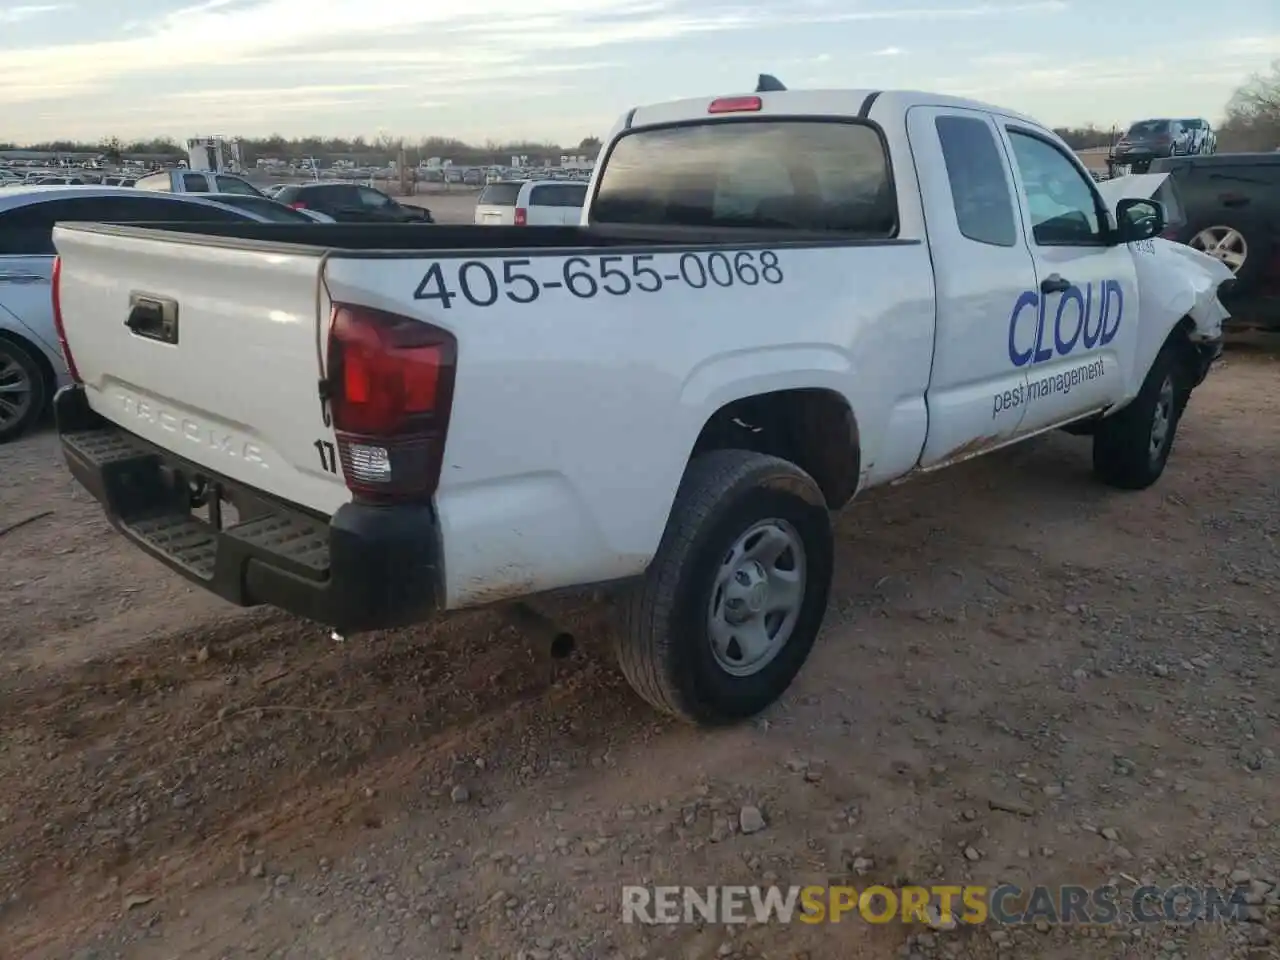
204	349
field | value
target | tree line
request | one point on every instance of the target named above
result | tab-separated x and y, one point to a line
360	150
1251	122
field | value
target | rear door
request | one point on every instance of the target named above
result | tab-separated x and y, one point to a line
226	184
338	200
1078	342
378	207
557	204
496	205
985	280
26	265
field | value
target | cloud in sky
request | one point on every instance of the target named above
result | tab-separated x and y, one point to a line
565	68
17	13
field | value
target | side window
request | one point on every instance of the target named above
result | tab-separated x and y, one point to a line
27	231
979	190
1060	199
234	185
157	181
195	183
139	209
547	195
372	198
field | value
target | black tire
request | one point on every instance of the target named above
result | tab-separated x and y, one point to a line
1257	239
17	363
665	648
1125	452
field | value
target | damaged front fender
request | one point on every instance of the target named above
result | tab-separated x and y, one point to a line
1176	281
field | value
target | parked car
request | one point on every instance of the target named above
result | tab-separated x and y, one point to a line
1145	141
119	181
752	325
268	209
1200	136
1232	204
196	181
351	203
31	363
526	203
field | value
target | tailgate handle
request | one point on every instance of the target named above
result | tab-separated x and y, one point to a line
155	318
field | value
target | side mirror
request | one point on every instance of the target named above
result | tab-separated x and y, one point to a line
1138	219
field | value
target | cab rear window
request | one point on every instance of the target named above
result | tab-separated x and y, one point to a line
809	176
499	195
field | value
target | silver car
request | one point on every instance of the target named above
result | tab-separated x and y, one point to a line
32	367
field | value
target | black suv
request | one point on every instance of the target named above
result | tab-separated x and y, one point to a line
1232	206
351	203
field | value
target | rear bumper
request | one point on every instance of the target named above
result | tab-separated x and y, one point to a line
364	568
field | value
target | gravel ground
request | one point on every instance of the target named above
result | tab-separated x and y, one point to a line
1055	683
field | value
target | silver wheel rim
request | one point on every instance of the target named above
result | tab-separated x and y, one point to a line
15	390
1162	419
756	600
1223	243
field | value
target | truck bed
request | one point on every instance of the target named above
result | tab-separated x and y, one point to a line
463	239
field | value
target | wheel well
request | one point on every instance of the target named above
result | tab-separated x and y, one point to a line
36	354
812	428
1180	337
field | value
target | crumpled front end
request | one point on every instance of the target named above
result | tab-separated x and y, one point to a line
1176	281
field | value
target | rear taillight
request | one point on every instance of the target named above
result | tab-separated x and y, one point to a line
735	105
522	217
390	390
298	205
56	288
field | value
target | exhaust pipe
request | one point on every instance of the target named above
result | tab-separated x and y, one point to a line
541	631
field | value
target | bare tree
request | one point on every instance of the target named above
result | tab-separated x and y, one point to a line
1253	113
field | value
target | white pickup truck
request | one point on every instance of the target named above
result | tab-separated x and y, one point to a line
773	302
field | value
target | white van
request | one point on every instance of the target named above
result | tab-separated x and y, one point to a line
530	203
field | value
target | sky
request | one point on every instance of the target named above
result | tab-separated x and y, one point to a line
561	70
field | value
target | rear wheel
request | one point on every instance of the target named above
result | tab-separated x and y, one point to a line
729	609
1238	241
23	390
1131	448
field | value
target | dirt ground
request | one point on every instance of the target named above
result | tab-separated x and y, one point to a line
1023	677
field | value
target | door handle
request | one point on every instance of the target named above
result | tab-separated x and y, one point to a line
1054	284
155	318
22	278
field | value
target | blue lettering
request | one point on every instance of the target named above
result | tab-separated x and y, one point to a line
1066	346
1109	333
1020	358
1042	353
1091	335
1090	329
